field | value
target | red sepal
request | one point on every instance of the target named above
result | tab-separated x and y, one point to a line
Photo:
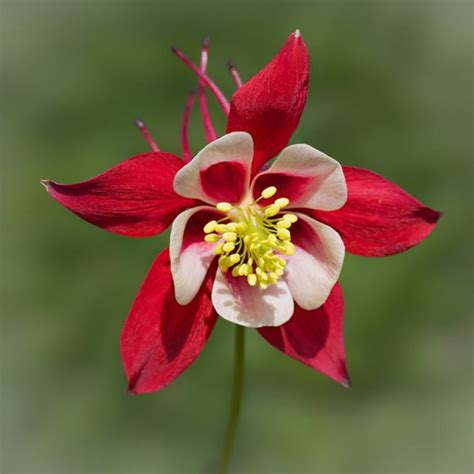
315	338
135	198
161	338
379	218
269	105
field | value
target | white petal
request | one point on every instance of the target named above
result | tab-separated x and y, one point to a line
242	304
316	264
307	177
190	255
219	172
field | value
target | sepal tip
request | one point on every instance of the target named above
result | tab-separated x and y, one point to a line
346	383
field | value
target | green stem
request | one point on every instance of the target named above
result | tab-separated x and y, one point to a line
239	350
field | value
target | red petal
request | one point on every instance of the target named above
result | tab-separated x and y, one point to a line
269	106
161	338
379	218
315	337
135	198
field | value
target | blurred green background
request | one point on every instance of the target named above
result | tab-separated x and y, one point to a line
391	90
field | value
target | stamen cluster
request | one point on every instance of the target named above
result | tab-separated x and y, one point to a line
252	239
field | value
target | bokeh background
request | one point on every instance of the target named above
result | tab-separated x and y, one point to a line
391	90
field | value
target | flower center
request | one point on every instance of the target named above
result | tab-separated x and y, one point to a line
252	239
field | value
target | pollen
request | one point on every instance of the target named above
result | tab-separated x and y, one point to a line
252	240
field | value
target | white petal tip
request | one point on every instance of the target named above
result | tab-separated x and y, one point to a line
244	305
181	300
297	33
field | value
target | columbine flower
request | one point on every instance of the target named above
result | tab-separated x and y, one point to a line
269	254
261	246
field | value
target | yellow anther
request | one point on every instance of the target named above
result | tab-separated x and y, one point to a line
212	238
281	262
232	227
234	258
218	249
243	269
289	248
272	277
272	239
210	227
241	228
228	246
224	206
272	210
252	279
269	192
279	272
229	236
223	263
283	234
221	228
284	224
290	218
282	202
269	266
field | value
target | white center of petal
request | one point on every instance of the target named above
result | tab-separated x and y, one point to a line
251	239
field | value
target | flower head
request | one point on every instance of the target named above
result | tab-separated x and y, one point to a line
270	252
258	243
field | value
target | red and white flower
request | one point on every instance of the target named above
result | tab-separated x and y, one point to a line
259	245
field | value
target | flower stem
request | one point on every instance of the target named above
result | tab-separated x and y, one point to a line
239	350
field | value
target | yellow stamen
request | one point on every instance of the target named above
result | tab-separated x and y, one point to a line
290	218
272	210
283	234
289	248
241	228
282	202
269	192
251	240
229	236
212	238
234	258
228	247
224	207
210	227
252	279
218	249
284	224
221	228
